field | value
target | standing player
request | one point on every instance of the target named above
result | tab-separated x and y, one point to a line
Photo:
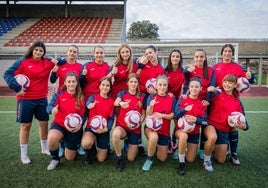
61	71
193	110
221	69
150	68
205	73
128	100
31	101
217	132
99	104
160	105
68	100
176	79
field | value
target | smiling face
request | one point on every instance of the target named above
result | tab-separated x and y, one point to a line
125	54
99	54
228	86
38	52
151	55
194	88
72	54
71	84
227	54
105	87
162	86
175	58
199	58
133	84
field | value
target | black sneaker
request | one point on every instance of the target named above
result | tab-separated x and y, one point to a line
181	169
120	165
142	152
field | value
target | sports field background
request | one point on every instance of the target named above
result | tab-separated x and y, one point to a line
253	152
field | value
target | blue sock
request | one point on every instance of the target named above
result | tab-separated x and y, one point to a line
233	138
150	157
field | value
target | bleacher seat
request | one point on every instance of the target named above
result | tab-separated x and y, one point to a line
8	23
66	30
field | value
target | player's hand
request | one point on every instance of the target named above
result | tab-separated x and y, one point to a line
84	71
248	73
142	60
54	60
55	68
191	69
124	104
55	110
189	107
190	118
151	90
21	92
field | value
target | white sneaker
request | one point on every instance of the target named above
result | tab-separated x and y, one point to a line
25	159
234	159
53	164
45	151
208	166
80	151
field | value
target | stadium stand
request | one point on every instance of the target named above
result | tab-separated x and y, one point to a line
7	24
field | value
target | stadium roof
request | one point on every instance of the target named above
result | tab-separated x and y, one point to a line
63	2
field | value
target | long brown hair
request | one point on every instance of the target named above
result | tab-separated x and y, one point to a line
119	59
78	91
138	93
29	52
232	78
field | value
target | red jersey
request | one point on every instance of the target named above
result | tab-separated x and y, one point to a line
198	110
38	72
221	69
165	105
103	107
221	106
64	69
133	105
148	72
120	79
67	105
175	81
95	72
198	72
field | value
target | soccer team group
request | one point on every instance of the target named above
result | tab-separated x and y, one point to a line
96	103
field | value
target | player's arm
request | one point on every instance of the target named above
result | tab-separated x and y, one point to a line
179	112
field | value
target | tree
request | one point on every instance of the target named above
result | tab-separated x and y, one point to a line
143	29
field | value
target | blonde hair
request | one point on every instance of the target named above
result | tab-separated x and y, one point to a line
119	59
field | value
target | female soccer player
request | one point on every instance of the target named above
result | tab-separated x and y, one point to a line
31	101
193	110
221	69
99	104
68	100
221	106
150	68
61	71
128	100
206	74
93	72
160	105
176	79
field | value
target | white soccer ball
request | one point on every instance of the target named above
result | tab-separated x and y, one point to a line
23	80
185	125
153	123
73	122
98	122
133	119
243	85
236	118
151	83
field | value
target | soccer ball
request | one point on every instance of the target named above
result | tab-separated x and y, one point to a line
242	85
98	122
235	118
133	119
185	125
73	122
23	80
151	83
153	123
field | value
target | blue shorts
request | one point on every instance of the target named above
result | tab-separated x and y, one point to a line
26	109
71	140
193	138
103	140
163	140
133	138
223	138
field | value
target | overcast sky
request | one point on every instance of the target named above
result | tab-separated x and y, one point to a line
203	18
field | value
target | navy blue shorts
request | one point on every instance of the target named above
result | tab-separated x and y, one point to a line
71	140
133	138
101	139
163	140
193	138
223	138
26	109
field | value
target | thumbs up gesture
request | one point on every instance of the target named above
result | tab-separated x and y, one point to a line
248	74
55	110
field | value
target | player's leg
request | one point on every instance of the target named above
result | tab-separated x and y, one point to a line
182	137
211	136
87	142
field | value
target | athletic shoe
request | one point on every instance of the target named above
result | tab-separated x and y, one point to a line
181	169
147	165
45	151
175	154
141	151
25	159
88	158
208	166
53	164
120	165
234	159
80	151
61	152
201	154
